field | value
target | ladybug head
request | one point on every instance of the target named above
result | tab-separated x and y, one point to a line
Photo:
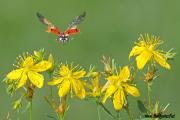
63	38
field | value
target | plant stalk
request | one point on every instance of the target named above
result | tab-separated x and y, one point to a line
98	111
106	110
129	112
149	96
30	111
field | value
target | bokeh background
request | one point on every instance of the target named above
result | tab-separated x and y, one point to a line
111	27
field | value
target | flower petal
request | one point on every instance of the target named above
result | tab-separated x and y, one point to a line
64	88
36	79
22	81
41	66
135	51
113	78
132	90
79	74
143	58
28	62
161	60
118	99
124	73
104	88
15	74
64	70
96	88
51	60
78	88
55	81
110	90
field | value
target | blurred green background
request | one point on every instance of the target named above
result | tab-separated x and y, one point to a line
111	27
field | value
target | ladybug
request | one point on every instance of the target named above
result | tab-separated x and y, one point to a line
63	37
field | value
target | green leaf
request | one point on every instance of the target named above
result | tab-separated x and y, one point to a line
141	106
51	117
5	79
27	107
17	104
144	119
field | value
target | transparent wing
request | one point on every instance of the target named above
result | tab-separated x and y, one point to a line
50	27
72	27
77	20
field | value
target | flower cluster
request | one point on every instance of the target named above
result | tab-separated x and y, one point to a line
73	80
27	71
69	80
118	86
146	50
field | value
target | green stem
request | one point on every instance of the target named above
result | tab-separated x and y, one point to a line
30	111
59	117
129	112
118	116
51	89
99	117
107	111
149	96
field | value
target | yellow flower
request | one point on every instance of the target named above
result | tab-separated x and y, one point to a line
95	85
28	69
69	80
118	86
146	49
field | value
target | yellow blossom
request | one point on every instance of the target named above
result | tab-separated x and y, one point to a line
118	86
146	50
95	85
69	80
28	69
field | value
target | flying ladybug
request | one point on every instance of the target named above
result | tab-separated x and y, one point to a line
72	29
